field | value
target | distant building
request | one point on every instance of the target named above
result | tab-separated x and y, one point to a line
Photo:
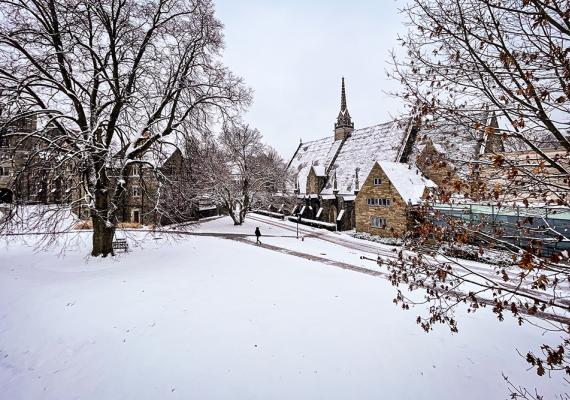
448	152
26	175
347	178
473	160
155	185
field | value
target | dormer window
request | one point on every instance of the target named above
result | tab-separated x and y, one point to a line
377	181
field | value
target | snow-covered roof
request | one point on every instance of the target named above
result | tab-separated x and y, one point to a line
459	142
407	180
361	150
358	152
317	153
319	170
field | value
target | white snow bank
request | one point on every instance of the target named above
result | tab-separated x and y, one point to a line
224	320
25	219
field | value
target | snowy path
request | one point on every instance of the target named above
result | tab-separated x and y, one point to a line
344	241
310	257
343	251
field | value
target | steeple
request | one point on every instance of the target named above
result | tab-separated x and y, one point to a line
344	125
343	97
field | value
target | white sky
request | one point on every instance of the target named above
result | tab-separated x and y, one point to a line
293	53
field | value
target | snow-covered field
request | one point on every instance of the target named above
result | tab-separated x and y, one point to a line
212	318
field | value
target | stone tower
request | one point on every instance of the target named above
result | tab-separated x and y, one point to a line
344	125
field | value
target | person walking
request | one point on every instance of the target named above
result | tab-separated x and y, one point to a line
257	234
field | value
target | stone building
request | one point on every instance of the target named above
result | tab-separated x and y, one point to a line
156	186
473	161
331	173
383	203
13	157
28	175
159	189
448	152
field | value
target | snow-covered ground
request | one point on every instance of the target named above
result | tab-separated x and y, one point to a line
212	318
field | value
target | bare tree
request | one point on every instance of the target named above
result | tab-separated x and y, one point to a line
114	78
242	172
509	59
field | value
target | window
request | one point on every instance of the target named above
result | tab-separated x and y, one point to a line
4	171
378	222
136	191
379	202
377	181
135	170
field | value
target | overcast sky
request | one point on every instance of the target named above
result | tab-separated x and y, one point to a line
293	54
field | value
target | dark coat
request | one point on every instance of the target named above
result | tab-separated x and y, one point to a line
257	232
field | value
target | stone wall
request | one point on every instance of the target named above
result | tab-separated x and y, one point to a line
395	214
435	167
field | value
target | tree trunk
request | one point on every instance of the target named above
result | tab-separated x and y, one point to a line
245	208
242	213
103	220
235	217
234	211
103	234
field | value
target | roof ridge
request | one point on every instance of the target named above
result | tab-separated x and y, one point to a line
356	130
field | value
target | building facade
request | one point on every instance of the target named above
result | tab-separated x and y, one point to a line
334	176
156	186
390	190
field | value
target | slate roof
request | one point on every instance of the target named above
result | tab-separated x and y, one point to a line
359	152
460	143
315	153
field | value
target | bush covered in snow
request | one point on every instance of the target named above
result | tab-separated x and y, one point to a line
470	252
376	239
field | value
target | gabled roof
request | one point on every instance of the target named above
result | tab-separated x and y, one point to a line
407	180
362	149
358	152
459	142
316	153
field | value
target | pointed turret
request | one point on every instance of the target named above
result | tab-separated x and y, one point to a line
343	97
344	125
493	140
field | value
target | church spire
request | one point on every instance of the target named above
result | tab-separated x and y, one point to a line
344	125
343	97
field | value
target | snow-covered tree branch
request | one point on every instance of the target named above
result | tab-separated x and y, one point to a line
115	79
